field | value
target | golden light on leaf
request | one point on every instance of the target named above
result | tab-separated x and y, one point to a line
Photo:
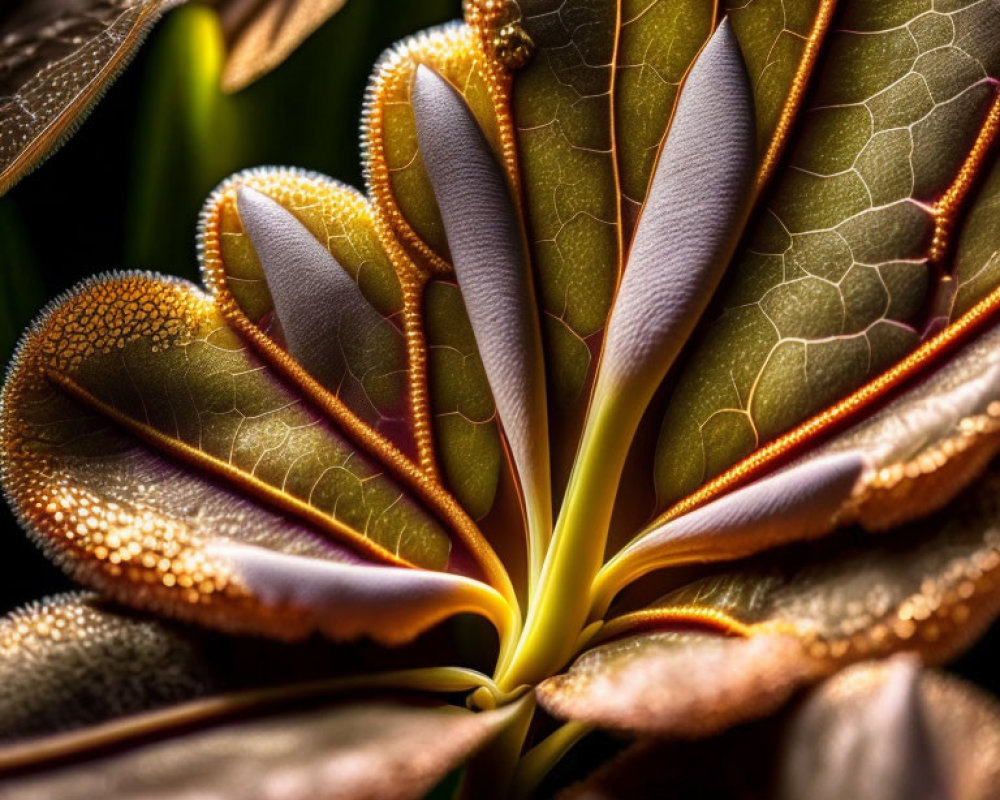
441	398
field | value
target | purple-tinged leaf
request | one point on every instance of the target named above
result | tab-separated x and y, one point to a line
325	320
487	249
796	503
888	731
689	225
346	601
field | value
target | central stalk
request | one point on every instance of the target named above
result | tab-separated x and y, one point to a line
560	607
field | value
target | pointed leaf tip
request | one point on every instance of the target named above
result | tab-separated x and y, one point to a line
691	220
323	314
485	239
800	502
346	601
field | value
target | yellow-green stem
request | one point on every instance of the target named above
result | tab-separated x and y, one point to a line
561	604
539	527
490	771
537	762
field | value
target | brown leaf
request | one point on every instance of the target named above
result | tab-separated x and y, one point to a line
679	684
57	58
262	33
886	731
379	750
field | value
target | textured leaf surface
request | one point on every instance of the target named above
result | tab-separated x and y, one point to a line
382	750
833	284
135	418
848	740
927	586
977	258
57	59
158	355
904	461
685	234
465	425
656	683
358	353
69	661
773	35
463	408
657	305
562	109
487	246
395	170
657	41
930	586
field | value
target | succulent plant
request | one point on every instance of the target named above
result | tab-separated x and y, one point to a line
655	379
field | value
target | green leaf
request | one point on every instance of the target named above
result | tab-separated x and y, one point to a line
311	245
774	622
774	38
486	244
766	233
563	113
138	382
900	463
395	172
658	303
833	284
977	259
926	586
656	44
465	426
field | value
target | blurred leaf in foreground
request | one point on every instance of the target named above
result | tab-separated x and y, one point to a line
57	57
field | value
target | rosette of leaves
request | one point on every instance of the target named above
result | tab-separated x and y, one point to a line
655	378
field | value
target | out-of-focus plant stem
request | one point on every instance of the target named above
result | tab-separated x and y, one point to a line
187	138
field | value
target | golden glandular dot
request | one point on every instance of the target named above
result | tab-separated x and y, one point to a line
511	46
498	25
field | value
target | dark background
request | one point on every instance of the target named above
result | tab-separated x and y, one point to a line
126	190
